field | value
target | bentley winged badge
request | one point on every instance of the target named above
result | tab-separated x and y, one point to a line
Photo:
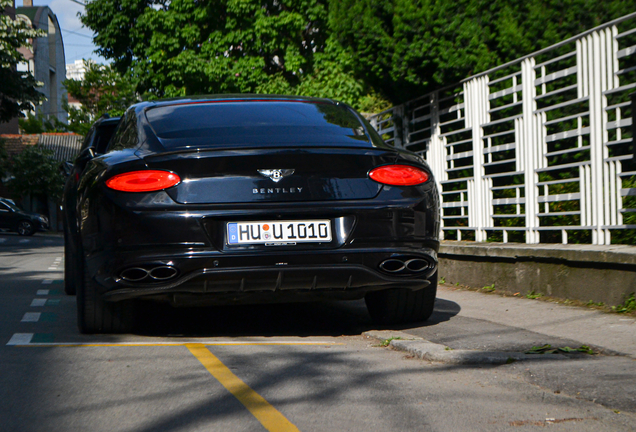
276	174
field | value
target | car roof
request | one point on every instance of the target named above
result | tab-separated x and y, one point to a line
107	121
247	97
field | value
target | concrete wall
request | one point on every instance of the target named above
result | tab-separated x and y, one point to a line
581	272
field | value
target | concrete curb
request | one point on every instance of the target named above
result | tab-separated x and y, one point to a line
430	351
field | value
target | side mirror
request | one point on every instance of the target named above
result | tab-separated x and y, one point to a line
84	156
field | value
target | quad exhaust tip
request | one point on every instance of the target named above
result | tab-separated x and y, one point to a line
150	273
404	265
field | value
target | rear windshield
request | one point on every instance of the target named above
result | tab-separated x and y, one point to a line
265	123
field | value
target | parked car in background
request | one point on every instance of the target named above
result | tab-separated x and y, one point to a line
237	199
94	144
9	200
13	218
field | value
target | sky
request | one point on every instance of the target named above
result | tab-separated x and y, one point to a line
78	42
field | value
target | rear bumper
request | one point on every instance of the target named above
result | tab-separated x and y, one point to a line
277	282
346	273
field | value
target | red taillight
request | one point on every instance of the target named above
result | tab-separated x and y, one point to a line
399	175
143	181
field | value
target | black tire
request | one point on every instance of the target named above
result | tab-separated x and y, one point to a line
402	306
72	267
94	315
26	228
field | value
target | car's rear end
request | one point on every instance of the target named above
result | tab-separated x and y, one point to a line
258	200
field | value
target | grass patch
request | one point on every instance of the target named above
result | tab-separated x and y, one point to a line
548	349
627	307
489	288
387	342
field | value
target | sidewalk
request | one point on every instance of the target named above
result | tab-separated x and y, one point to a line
613	332
476	330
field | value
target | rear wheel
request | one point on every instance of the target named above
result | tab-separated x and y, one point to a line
400	306
94	315
26	228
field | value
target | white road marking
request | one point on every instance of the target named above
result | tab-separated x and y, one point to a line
47	281
58	259
43	292
31	317
38	302
53	268
20	339
24	241
184	343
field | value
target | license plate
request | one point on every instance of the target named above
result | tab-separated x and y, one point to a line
279	232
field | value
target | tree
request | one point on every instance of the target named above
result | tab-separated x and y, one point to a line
37	124
102	90
17	89
36	173
185	47
405	48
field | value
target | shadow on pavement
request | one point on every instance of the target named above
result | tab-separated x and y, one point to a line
289	319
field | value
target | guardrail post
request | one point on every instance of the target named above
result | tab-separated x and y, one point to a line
531	148
479	194
436	154
598	133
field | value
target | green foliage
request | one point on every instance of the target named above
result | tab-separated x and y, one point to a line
405	48
185	47
36	124
548	349
387	342
102	90
628	306
534	295
489	288
36	173
17	91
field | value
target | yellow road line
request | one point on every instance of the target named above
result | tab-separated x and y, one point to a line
265	413
171	344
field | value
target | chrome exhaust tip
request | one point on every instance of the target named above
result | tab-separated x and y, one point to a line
405	265
149	273
417	265
134	274
162	273
392	265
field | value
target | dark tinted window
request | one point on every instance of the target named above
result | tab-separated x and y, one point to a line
104	133
126	134
88	139
271	122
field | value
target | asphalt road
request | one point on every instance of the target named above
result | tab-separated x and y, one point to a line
278	368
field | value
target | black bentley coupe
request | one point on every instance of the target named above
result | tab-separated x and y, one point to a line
237	199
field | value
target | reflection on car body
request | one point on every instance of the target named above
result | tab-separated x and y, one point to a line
250	199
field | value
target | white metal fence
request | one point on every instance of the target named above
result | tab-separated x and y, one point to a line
537	150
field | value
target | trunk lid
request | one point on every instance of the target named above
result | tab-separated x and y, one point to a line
272	175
